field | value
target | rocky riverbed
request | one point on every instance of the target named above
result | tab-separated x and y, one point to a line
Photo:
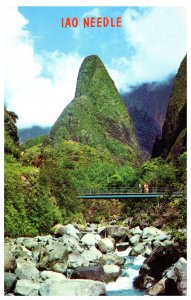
81	260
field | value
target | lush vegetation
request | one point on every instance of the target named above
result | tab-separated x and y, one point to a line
92	146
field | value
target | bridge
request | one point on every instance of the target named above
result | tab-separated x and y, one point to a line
128	193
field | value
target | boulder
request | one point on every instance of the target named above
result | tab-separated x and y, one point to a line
71	243
51	275
9	282
92	273
58	230
134	240
71	230
158	288
178	273
111	259
89	240
160	259
26	270
77	260
111	272
53	252
117	231
73	287
30	243
60	267
43	239
106	245
138	249
21	252
135	230
9	262
92	254
151	232
25	287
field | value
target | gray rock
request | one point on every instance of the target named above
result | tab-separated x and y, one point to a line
9	261
77	260
92	254
111	272
26	270
25	287
158	243
70	243
148	281
60	267
106	245
117	231
158	288
53	252
161	237
30	243
151	232
89	240
22	252
51	275
168	243
139	248
9	281
71	230
43	239
135	239
111	259
135	230
73	287
58	230
178	273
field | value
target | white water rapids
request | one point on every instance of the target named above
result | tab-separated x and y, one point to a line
123	286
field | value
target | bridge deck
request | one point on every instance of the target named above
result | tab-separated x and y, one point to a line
122	196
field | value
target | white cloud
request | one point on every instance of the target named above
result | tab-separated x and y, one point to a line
37	88
158	39
95	12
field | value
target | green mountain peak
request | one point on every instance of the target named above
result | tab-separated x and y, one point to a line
97	115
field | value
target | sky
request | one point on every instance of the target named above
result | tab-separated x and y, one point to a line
42	60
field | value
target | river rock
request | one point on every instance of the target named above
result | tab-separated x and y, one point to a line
60	267
30	243
26	270
9	281
111	272
134	240
151	232
71	230
111	259
77	260
178	273
43	239
138	249
92	254
70	243
22	252
9	261
91	273
158	288
106	245
73	287
89	240
51	275
135	230
25	287
117	231
53	252
160	259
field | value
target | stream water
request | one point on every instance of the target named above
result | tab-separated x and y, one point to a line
123	286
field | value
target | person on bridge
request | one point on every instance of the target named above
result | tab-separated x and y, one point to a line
140	188
146	188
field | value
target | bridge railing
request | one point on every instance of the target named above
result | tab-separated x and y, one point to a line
127	190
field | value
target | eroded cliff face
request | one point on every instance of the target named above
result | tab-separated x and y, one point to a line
97	115
173	141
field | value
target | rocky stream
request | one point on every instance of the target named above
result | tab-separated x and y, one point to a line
95	260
